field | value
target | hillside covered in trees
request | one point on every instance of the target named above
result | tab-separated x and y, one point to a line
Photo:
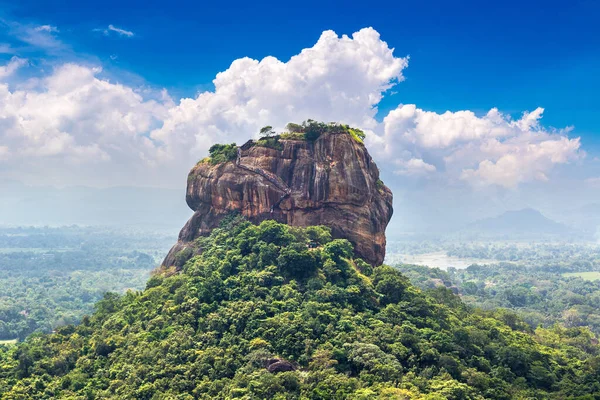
271	311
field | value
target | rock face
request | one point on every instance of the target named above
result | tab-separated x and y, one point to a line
331	181
276	365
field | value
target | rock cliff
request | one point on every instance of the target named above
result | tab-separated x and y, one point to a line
329	181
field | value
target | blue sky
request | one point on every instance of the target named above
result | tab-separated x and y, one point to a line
514	55
108	93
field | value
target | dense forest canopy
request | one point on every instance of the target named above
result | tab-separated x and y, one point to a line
272	311
541	295
53	276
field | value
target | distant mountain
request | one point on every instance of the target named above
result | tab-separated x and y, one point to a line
517	223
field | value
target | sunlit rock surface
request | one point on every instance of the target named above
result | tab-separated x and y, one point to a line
332	181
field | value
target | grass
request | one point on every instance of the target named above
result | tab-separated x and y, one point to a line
588	276
8	342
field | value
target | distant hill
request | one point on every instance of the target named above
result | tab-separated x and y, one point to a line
519	223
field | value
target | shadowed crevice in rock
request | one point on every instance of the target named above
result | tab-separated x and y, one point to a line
332	181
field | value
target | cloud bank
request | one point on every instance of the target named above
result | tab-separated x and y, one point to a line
489	150
75	126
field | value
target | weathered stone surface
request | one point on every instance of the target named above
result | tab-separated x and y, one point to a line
278	365
332	181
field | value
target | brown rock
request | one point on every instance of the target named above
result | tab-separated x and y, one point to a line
279	365
332	181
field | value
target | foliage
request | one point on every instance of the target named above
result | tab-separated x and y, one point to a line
53	276
294	128
587	275
540	295
267	131
313	129
310	130
271	142
220	153
259	292
357	134
562	255
292	136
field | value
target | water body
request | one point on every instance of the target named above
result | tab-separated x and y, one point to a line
438	259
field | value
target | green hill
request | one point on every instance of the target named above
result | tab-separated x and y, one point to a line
519	223
275	312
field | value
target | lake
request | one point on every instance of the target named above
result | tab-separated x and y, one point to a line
437	259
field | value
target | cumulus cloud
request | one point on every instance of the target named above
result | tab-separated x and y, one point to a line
516	161
75	117
492	149
338	79
414	167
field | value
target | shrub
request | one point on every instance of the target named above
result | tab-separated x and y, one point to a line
271	142
292	136
267	131
309	130
294	128
357	134
220	153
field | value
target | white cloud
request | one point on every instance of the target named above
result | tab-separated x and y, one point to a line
119	31
75	118
339	78
517	162
13	65
46	28
116	134
39	37
489	150
414	167
73	115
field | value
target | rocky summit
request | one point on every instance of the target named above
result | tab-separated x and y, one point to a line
329	180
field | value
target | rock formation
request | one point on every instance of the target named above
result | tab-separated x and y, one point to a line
276	365
330	181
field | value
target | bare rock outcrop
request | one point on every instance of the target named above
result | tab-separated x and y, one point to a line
276	365
330	181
